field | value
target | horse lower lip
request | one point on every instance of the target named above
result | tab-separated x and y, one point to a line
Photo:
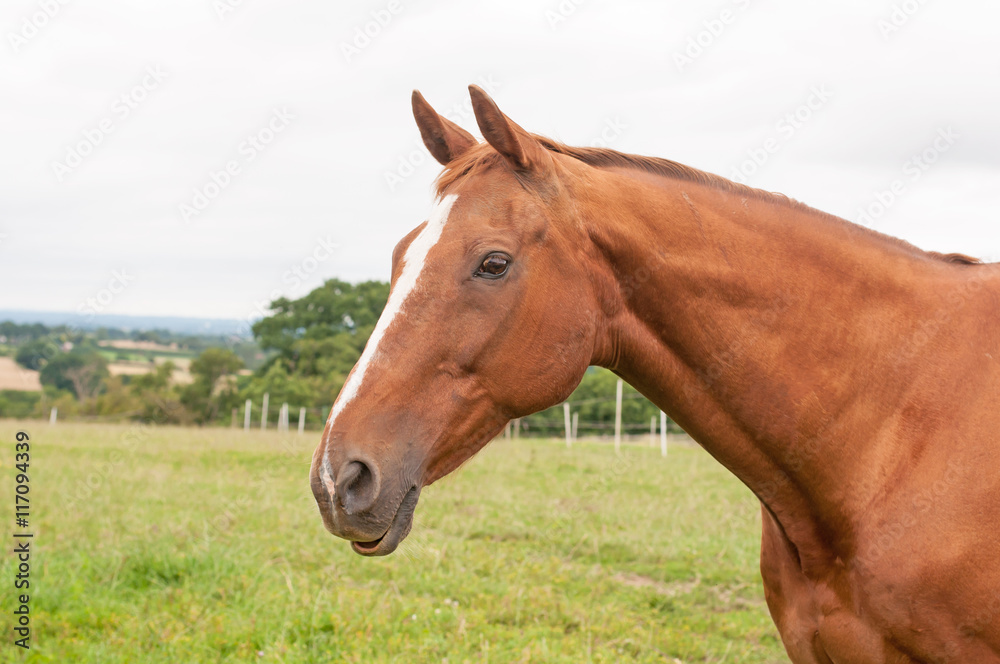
397	531
369	546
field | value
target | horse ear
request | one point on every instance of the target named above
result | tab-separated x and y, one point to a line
518	146
445	139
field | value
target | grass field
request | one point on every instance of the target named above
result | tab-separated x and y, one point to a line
187	545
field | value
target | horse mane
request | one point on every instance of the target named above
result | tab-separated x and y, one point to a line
482	157
961	259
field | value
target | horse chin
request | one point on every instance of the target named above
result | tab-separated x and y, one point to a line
397	531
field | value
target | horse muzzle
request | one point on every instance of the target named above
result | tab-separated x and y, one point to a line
357	506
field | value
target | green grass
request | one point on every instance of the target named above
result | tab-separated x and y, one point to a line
187	545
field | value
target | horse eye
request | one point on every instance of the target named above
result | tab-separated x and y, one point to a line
494	267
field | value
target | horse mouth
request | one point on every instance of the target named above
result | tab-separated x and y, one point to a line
397	531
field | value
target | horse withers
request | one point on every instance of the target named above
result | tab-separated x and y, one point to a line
849	379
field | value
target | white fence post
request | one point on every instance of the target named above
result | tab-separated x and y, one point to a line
576	420
263	414
618	416
568	425
246	416
53	414
663	434
517	428
302	420
284	418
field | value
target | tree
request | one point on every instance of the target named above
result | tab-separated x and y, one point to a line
81	372
117	399
282	387
209	390
335	308
317	339
214	363
20	333
156	380
17	403
159	403
329	357
36	353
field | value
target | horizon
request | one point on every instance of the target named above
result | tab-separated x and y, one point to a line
187	325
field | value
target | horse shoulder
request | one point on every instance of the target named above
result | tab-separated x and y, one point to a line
814	614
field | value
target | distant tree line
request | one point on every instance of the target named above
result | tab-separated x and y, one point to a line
73	370
310	345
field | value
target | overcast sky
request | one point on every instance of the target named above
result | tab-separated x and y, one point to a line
117	115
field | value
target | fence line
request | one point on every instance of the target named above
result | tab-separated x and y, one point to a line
569	424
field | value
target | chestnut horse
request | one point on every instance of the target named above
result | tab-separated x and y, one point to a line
849	379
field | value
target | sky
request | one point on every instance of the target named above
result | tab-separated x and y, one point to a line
202	157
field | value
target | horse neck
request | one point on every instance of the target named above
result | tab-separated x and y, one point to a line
764	329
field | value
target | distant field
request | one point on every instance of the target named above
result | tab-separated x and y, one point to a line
188	545
15	377
132	358
181	375
131	344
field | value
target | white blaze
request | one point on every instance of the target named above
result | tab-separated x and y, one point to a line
413	265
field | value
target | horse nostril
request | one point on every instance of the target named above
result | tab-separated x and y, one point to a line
356	486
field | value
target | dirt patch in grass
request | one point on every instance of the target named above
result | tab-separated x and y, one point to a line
666	589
